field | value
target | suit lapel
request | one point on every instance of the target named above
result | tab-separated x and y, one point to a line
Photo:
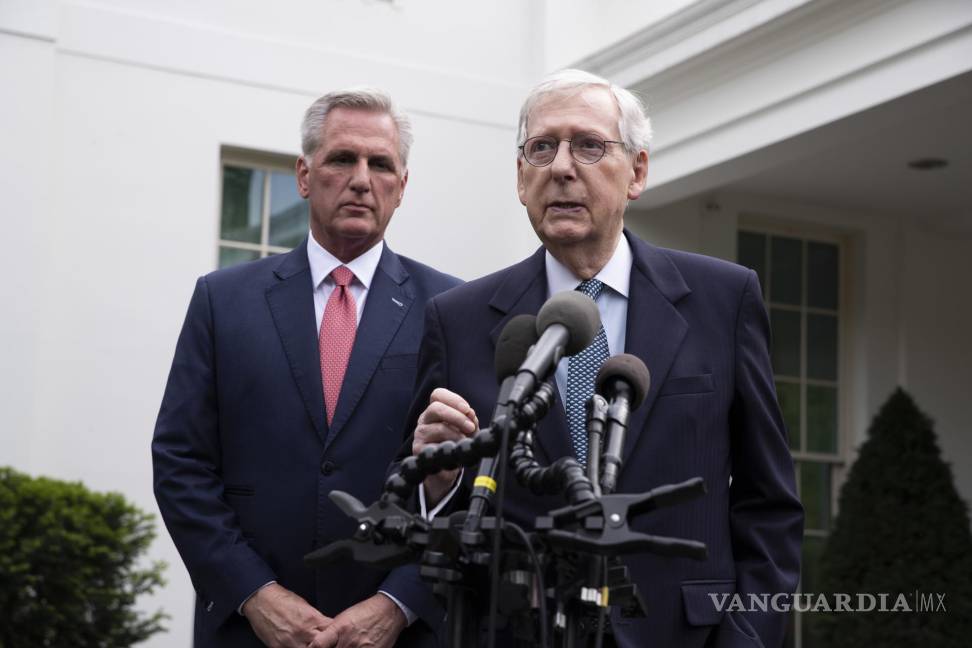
291	301
389	299
523	292
655	329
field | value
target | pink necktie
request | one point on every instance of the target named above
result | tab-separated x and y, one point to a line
337	337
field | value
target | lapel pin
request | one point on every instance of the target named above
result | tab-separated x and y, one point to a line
398	303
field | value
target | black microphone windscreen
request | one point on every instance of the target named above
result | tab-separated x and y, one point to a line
628	368
577	313
519	334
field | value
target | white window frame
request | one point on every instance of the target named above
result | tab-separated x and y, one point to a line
258	161
839	460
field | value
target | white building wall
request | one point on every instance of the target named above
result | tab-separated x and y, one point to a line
110	172
491	41
24	212
937	325
578	29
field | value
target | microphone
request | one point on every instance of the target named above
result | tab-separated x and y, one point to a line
515	340
513	344
623	380
566	324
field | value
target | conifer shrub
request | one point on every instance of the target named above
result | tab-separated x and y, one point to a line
902	529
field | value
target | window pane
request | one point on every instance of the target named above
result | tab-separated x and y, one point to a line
231	256
815	494
822	347
786	342
821	419
242	204
822	273
789	397
786	270
751	253
288	211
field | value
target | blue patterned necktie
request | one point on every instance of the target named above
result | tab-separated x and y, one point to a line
582	370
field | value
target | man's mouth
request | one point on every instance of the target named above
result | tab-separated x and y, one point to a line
356	207
565	206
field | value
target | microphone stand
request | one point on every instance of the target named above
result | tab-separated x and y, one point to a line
574	542
485	483
507	427
597	409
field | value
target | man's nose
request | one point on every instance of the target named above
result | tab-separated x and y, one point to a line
361	177
562	166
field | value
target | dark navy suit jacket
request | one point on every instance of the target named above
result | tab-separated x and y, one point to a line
243	456
700	326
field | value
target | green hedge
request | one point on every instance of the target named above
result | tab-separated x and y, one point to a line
67	566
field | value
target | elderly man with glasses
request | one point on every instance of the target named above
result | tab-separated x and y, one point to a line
699	325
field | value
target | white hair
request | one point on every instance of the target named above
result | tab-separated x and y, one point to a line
633	125
357	98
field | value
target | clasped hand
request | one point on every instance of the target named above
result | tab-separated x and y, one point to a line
282	619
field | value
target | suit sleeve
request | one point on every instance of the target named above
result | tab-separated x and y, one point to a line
224	568
766	517
404	583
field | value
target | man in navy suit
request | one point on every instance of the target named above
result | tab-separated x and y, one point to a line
700	326
291	378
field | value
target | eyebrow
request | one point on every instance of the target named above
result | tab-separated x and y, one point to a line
339	152
376	157
587	130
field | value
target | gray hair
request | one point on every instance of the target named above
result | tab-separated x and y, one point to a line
633	125
357	98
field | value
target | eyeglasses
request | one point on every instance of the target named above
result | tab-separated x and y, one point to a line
585	148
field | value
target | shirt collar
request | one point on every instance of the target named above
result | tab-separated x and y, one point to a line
616	274
323	263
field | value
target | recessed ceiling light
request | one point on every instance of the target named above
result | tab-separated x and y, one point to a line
928	164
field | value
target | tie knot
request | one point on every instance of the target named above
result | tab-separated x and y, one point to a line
342	275
590	287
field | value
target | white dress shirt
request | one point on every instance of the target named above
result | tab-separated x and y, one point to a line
323	263
612	303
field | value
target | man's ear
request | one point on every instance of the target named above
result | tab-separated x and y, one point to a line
520	185
640	168
303	177
401	191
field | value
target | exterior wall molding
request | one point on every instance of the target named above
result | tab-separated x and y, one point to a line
36	19
776	69
697	29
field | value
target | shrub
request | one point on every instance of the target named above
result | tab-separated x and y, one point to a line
902	528
67	566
